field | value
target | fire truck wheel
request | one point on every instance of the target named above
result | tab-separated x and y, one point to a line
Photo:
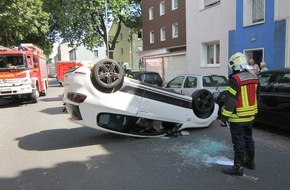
34	96
44	92
107	76
202	103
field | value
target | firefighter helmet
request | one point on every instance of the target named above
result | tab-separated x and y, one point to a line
237	61
126	66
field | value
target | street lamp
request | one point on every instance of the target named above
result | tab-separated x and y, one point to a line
107	36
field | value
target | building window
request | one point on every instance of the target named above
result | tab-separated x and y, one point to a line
151	37
253	12
212	51
258	10
162	8
162	34
174	4
151	13
96	53
208	3
140	35
175	30
72	55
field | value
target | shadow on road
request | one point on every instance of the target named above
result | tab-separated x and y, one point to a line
66	138
53	99
14	103
54	110
273	130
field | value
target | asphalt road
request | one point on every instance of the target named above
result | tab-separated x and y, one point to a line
41	149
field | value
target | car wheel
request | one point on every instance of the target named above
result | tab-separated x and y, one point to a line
202	103
107	76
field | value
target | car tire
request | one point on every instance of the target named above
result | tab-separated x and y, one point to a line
44	92
202	103
34	96
107	76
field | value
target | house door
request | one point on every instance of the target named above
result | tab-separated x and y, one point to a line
257	55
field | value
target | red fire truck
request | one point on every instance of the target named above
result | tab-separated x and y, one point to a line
64	66
23	73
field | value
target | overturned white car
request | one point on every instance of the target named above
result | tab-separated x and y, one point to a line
104	99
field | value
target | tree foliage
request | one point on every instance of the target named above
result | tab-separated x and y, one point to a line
86	21
24	21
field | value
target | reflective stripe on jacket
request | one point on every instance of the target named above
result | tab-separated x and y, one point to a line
242	93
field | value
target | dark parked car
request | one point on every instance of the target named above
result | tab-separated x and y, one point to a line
274	98
149	77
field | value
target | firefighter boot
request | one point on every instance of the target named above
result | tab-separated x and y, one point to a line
249	160
237	168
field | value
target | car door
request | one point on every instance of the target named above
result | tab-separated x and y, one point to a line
189	85
176	84
164	106
274	99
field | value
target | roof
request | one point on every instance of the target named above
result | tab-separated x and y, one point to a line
279	70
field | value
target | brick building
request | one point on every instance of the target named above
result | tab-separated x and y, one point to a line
164	37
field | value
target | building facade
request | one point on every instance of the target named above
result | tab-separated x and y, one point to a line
128	46
164	37
82	53
262	31
62	52
208	25
66	53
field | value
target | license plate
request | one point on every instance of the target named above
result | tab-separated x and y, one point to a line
5	89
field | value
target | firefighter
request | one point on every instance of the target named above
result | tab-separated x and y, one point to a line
240	108
127	69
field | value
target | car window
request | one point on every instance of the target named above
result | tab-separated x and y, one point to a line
264	79
176	82
214	81
284	79
282	85
206	81
274	82
190	82
220	80
135	75
149	77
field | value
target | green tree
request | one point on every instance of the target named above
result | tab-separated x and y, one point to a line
85	22
24	21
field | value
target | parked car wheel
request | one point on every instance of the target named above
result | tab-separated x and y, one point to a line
107	76
202	103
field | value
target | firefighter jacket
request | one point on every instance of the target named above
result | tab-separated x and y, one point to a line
241	98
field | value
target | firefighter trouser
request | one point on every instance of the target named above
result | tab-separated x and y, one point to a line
242	138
